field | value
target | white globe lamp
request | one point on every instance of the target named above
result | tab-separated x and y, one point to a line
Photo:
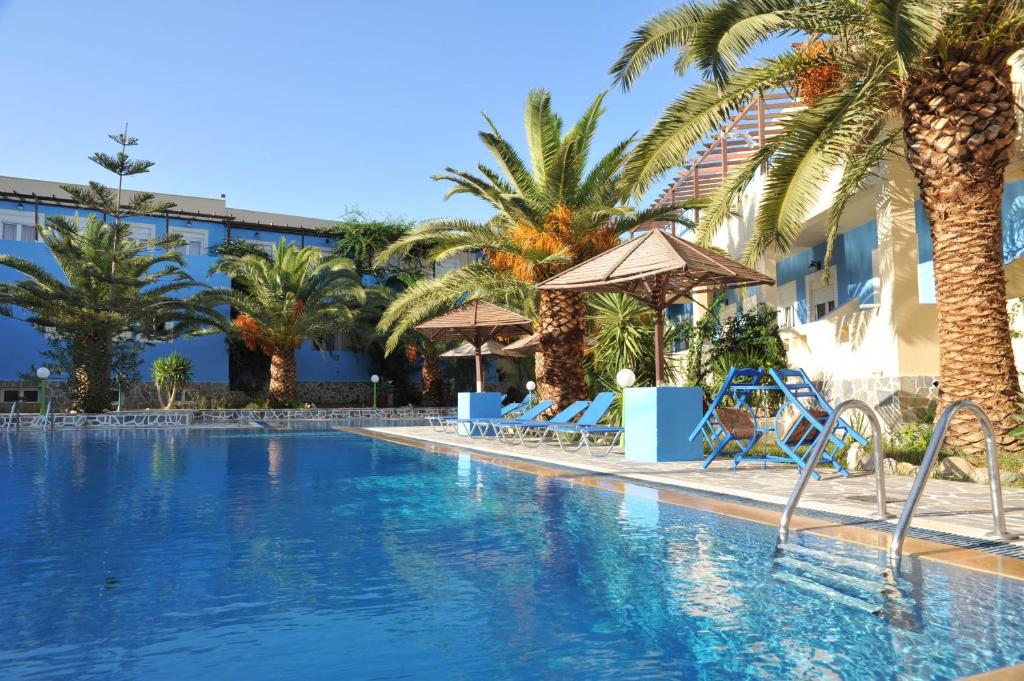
42	373
375	379
625	378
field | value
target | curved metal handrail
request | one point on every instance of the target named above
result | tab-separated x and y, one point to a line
819	448
15	416
994	483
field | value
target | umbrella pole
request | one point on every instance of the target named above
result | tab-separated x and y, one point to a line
659	343
479	370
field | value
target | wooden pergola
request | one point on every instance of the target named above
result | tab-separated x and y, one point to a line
657	269
740	137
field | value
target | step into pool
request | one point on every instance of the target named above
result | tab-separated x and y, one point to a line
325	554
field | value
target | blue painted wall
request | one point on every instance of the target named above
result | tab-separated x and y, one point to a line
1013	238
209	353
851	256
25	344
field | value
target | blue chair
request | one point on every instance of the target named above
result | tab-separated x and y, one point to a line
813	411
724	424
481	426
440	424
520	429
588	426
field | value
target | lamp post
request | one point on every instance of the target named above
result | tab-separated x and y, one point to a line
530	387
375	379
625	378
42	373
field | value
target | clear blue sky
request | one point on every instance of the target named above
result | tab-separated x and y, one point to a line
310	106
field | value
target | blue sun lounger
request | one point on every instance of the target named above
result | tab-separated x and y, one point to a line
481	426
441	424
588	426
520	429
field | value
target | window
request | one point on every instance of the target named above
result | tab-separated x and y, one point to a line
267	246
333	343
195	240
142	233
822	297
19	231
787	305
876	280
20	394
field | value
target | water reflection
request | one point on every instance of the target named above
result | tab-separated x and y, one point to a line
263	551
275	457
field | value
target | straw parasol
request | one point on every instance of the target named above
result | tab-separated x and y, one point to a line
524	346
491	347
476	322
657	269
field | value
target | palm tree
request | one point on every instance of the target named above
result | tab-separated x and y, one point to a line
548	216
935	74
295	295
109	287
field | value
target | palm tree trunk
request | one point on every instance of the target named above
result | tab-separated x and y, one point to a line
432	379
283	386
959	127
91	354
560	363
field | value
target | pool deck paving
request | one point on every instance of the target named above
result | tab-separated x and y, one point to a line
958	508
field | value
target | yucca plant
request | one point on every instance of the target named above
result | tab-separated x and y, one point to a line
295	295
549	214
621	336
170	375
922	80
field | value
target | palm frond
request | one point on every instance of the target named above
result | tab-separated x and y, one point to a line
907	27
668	31
696	113
730	30
859	168
427	298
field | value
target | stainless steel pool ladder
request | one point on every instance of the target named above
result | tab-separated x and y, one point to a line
14	418
819	448
931	454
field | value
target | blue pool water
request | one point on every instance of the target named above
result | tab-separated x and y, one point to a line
260	555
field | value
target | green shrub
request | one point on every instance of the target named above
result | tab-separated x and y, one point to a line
908	442
747	340
1018	432
170	375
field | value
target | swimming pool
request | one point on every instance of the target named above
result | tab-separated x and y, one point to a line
259	555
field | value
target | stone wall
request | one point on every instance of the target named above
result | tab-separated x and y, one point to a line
208	395
327	393
903	399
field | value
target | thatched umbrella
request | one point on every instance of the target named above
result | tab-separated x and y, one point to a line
524	346
476	322
657	269
489	348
